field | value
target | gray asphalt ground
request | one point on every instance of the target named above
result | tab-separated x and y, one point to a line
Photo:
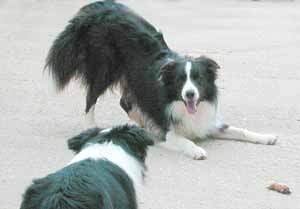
257	44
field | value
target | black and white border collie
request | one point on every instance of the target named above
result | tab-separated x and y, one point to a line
106	172
106	44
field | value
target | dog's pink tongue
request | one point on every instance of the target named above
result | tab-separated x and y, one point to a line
191	107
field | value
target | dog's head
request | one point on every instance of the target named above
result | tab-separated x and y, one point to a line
190	81
132	139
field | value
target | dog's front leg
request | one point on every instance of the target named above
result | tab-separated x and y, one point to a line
233	133
179	143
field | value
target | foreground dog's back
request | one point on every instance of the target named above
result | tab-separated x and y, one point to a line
103	175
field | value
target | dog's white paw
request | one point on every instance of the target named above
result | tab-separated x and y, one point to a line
272	139
268	139
197	153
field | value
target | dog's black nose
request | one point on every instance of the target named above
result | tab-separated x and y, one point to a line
190	94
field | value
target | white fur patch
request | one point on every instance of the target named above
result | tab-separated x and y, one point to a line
200	124
189	86
106	130
116	155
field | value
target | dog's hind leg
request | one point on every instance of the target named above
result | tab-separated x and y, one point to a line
233	133
91	100
93	92
90	118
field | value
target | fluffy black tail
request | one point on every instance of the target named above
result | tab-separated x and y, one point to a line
83	51
80	50
67	56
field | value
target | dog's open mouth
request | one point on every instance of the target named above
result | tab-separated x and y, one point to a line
191	106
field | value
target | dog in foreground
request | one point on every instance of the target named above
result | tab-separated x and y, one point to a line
107	44
105	174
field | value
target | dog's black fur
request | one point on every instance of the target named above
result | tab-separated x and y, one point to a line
106	44
132	139
90	183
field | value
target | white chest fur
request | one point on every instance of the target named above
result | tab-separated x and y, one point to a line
196	125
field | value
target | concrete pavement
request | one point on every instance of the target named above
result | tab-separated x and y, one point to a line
257	44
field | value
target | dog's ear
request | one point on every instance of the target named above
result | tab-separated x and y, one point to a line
165	69
145	137
139	141
77	142
211	66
